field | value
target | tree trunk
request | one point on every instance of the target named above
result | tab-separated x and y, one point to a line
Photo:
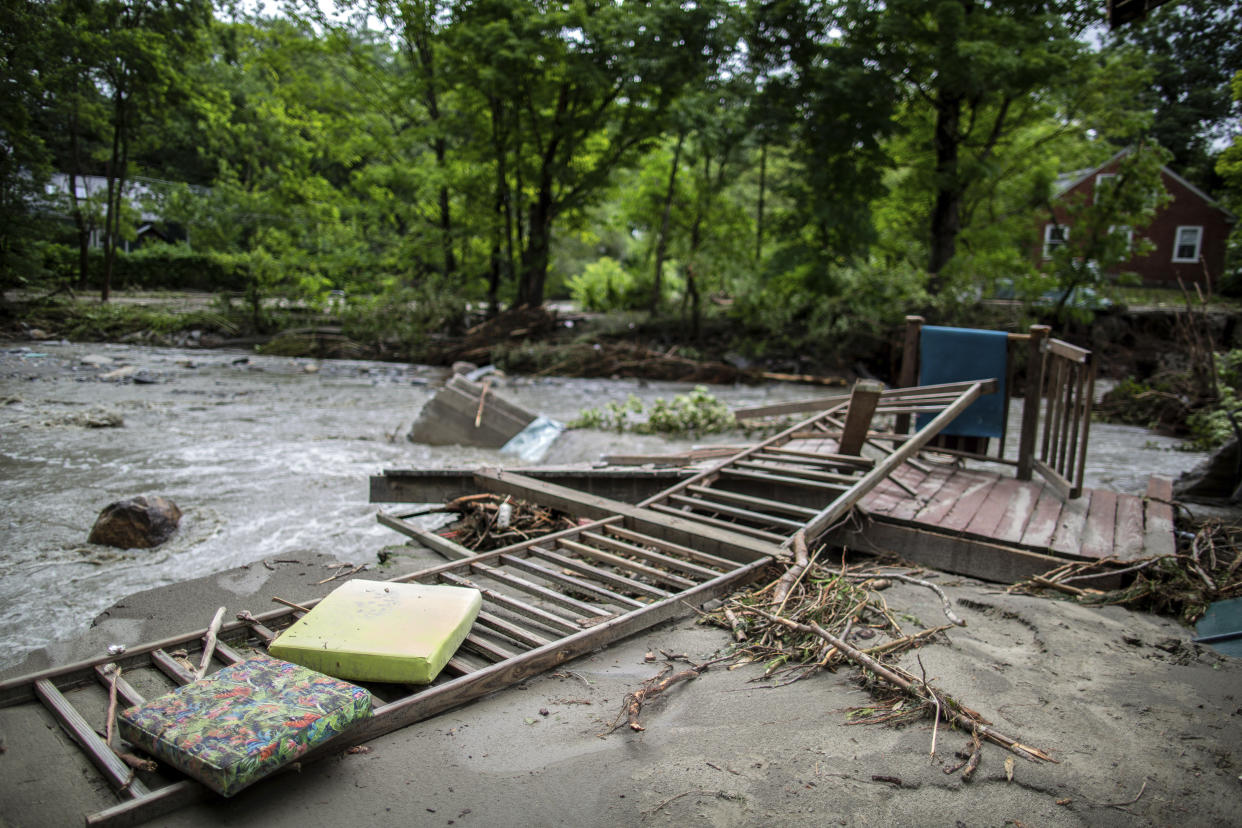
946	218
538	246
116	188
79	219
657	283
763	185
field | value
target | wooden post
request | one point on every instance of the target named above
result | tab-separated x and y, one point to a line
863	400
1030	406
909	366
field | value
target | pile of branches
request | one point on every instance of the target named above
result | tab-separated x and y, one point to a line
490	521
621	359
1207	569
511	325
803	622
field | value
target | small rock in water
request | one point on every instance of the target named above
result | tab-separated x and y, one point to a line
96	359
136	523
145	378
119	373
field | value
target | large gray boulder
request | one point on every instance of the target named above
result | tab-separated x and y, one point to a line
136	523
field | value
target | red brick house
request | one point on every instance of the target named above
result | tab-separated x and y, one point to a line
1189	233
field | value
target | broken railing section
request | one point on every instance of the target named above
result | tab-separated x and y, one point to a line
472	414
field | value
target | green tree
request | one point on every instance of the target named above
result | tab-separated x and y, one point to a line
24	157
572	92
1193	49
144	44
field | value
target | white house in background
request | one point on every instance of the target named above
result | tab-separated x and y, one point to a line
140	193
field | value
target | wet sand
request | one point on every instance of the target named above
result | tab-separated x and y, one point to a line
1144	727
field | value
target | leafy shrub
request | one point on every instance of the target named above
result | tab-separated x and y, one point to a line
151	267
698	412
605	285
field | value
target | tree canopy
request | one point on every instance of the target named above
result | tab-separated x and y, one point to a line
789	158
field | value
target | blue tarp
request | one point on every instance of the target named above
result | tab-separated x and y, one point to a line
1223	617
963	354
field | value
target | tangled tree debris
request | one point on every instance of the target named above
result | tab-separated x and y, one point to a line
803	622
1183	585
490	521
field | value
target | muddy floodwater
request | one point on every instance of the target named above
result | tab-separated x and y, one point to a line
268	456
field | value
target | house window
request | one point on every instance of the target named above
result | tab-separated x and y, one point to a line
1125	232
1187	244
1102	182
1055	235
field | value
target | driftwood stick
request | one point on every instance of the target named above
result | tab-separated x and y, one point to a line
786	582
278	600
944	599
209	645
739	634
110	725
911	686
478	417
1059	587
342	574
136	762
976	751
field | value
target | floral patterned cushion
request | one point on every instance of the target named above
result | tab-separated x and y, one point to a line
238	725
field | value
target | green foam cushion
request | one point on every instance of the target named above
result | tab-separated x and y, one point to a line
238	725
381	631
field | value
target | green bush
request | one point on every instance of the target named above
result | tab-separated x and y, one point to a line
604	285
698	412
152	267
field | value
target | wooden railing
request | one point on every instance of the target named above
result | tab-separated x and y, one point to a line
1056	420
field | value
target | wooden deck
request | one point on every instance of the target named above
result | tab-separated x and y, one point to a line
983	522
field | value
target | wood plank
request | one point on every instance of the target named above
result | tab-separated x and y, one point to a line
172	668
601	575
578	585
110	765
967	506
617	545
1043	523
1022	505
1158	527
151	805
823	458
519	634
489	650
125	691
1068	536
759	503
863	399
670	547
514	605
883	499
781	480
619	562
1097	533
956	554
718	523
735	545
959	484
1010	500
1128	536
926	488
788	469
701	504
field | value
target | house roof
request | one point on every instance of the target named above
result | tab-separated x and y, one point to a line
1069	180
